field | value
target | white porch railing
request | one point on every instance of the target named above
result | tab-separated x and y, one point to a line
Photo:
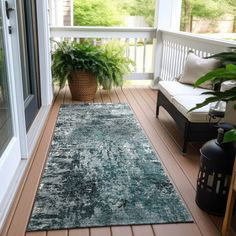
158	54
140	41
173	47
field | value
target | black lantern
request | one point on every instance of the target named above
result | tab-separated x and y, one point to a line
216	165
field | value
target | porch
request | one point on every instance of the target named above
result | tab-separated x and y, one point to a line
164	137
166	60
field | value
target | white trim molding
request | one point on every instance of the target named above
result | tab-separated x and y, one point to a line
36	128
102	32
44	52
14	160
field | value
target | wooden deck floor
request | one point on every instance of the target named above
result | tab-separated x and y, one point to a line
165	139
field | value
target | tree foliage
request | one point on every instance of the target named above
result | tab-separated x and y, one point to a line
231	6
232	10
144	8
96	13
111	12
207	9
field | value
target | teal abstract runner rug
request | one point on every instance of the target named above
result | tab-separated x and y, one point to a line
102	171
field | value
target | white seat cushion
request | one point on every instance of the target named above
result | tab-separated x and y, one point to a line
174	88
185	103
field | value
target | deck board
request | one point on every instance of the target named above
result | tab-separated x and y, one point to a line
164	137
176	230
58	233
113	97
98	97
141	230
121	231
102	231
44	233
79	232
105	96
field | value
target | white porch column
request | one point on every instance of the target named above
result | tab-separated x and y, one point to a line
168	13
167	17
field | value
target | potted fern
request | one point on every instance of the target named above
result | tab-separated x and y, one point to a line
119	65
85	66
80	65
227	72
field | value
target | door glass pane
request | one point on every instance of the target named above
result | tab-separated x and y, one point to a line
5	111
23	51
27	19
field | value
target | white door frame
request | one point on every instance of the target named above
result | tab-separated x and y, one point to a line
45	74
28	141
11	156
16	156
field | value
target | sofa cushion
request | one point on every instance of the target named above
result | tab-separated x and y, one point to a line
185	103
226	85
174	88
195	67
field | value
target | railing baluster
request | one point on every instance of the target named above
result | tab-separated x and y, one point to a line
178	59
164	62
172	61
94	42
144	54
175	57
135	54
182	59
127	53
169	61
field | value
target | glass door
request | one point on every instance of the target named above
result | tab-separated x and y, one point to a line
6	129
27	19
10	149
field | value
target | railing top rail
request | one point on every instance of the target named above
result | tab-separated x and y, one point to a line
203	39
105	29
93	32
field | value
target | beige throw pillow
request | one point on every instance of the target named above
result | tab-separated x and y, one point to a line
195	67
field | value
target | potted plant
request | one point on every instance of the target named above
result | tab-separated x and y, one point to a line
227	72
119	65
85	65
80	65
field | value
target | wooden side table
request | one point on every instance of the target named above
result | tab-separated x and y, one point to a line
230	204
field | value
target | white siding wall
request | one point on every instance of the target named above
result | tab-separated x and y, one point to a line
68	12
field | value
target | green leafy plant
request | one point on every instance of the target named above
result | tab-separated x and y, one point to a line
226	73
106	62
218	75
119	65
230	136
73	56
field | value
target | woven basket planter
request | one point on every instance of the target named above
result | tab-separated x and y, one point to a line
83	85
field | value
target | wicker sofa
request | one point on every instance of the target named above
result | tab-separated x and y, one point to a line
177	99
178	96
